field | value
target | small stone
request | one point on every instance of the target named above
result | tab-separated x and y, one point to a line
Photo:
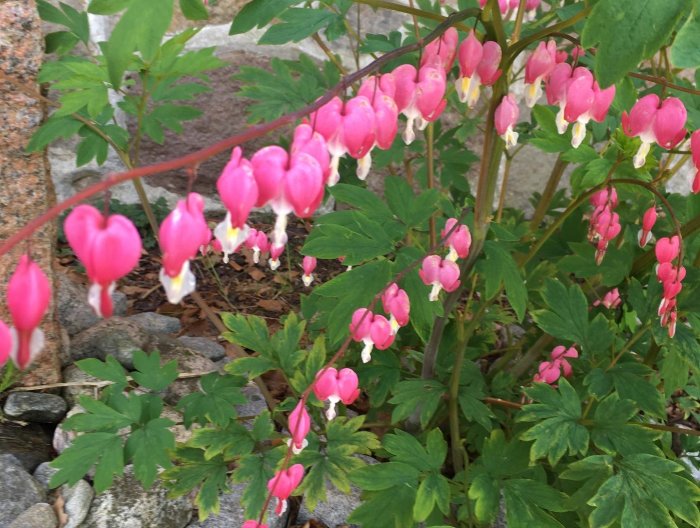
115	336
187	361
77	500
231	513
127	505
18	490
35	407
43	473
205	346
255	403
40	515
156	323
62	439
30	443
73	311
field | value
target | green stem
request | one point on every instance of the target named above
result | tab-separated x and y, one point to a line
518	22
429	139
628	345
522	366
548	193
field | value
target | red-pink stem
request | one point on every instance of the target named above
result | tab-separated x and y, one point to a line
194	159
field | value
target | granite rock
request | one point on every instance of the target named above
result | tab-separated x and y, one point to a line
116	336
155	323
72	374
209	348
43	473
18	490
35	407
127	505
40	515
72	309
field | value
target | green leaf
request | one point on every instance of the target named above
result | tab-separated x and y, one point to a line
215	403
612	433
390	508
407	449
433	491
412	210
255	470
232	441
285	343
98	416
251	367
53	129
383	476
298	23
641	493
502	269
248	331
262	427
103	450
258	13
147	447
194	9
194	470
630	383
330	306
76	21
527	502
150	373
349	234
557	429
625	32
141	28
108	370
412	395
685	52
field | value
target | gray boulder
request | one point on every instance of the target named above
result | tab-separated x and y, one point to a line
40	515
205	346
18	490
155	323
35	407
127	505
72	374
116	336
73	311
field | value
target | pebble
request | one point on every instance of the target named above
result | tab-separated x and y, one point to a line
35	407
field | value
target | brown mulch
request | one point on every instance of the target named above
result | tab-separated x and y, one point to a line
241	286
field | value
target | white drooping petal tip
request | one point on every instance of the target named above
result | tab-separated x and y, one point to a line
177	288
367	352
307	279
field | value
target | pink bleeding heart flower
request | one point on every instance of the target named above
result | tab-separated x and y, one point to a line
505	118
470	53
459	240
442	51
314	144
667	249
258	242
548	372
5	343
287	183
108	247
440	274
610	300
654	121
336	386
181	235
560	353
283	484
253	524
666	271
309	265
299	426
486	73
239	192
372	330
381	95
28	297
419	96
537	69
695	150
396	303
349	128
585	103
648	221
276	251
